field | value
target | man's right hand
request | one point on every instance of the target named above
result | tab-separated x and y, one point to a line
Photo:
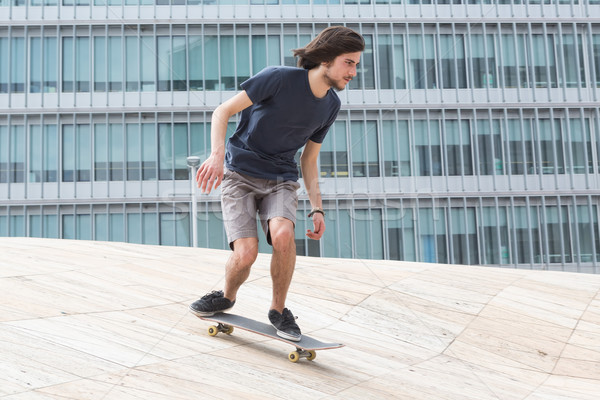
210	173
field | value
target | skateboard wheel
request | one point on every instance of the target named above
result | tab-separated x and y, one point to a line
228	330
212	330
311	355
294	356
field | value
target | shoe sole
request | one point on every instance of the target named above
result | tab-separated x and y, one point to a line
207	313
287	336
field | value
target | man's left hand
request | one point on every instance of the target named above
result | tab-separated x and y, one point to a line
319	227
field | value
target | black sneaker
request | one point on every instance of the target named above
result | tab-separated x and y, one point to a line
285	324
211	304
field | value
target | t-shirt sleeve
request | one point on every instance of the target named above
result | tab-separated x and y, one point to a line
263	85
320	133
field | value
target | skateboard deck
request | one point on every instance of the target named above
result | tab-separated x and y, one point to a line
306	348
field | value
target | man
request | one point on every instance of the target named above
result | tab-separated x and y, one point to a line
283	109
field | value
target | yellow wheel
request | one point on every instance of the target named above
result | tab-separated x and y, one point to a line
212	330
311	355
294	356
229	330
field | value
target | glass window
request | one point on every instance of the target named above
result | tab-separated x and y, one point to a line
100	152
4	154
82	64
68	72
132	63
401	234
494	231
77	226
50	227
4	66
428	152
68	153
511	60
35	226
117	227
458	147
134	228
581	145
432	235
587	229
101	227
551	147
35	69
195	61
50	65
391	148
334	152
368	230
100	61
17	226
422	62
242	59
17	154
365	73
211	62
173	147
179	63
484	61
43	160
116	154
385	53
17	63
520	146
573	61
3	226
115	63
464	236
150	231
149	152
489	142
175	229
544	61
595	56
557	228
265	51
147	64
453	64
83	155
527	235
365	152
134	153
337	239
164	63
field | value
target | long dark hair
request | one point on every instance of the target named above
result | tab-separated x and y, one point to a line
329	44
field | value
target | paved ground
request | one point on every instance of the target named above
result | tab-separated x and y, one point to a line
92	320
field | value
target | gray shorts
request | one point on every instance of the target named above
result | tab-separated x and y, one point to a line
244	196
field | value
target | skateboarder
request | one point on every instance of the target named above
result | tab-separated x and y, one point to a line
283	109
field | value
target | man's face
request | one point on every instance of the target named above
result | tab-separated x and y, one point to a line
341	70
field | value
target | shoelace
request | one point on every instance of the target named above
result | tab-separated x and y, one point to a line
289	321
213	294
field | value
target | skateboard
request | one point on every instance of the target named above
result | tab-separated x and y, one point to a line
306	348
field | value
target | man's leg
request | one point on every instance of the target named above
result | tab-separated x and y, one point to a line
237	269
283	260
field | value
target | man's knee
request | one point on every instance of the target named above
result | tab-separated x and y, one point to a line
246	251
282	235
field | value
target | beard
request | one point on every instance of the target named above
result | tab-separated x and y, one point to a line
337	84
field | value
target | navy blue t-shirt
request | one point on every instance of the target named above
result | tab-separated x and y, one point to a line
284	116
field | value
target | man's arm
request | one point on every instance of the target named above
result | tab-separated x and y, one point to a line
310	173
210	173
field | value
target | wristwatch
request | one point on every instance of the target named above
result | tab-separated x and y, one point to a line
316	210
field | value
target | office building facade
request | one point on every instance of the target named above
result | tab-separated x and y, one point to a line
471	134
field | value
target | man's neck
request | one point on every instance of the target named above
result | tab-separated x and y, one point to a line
317	83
